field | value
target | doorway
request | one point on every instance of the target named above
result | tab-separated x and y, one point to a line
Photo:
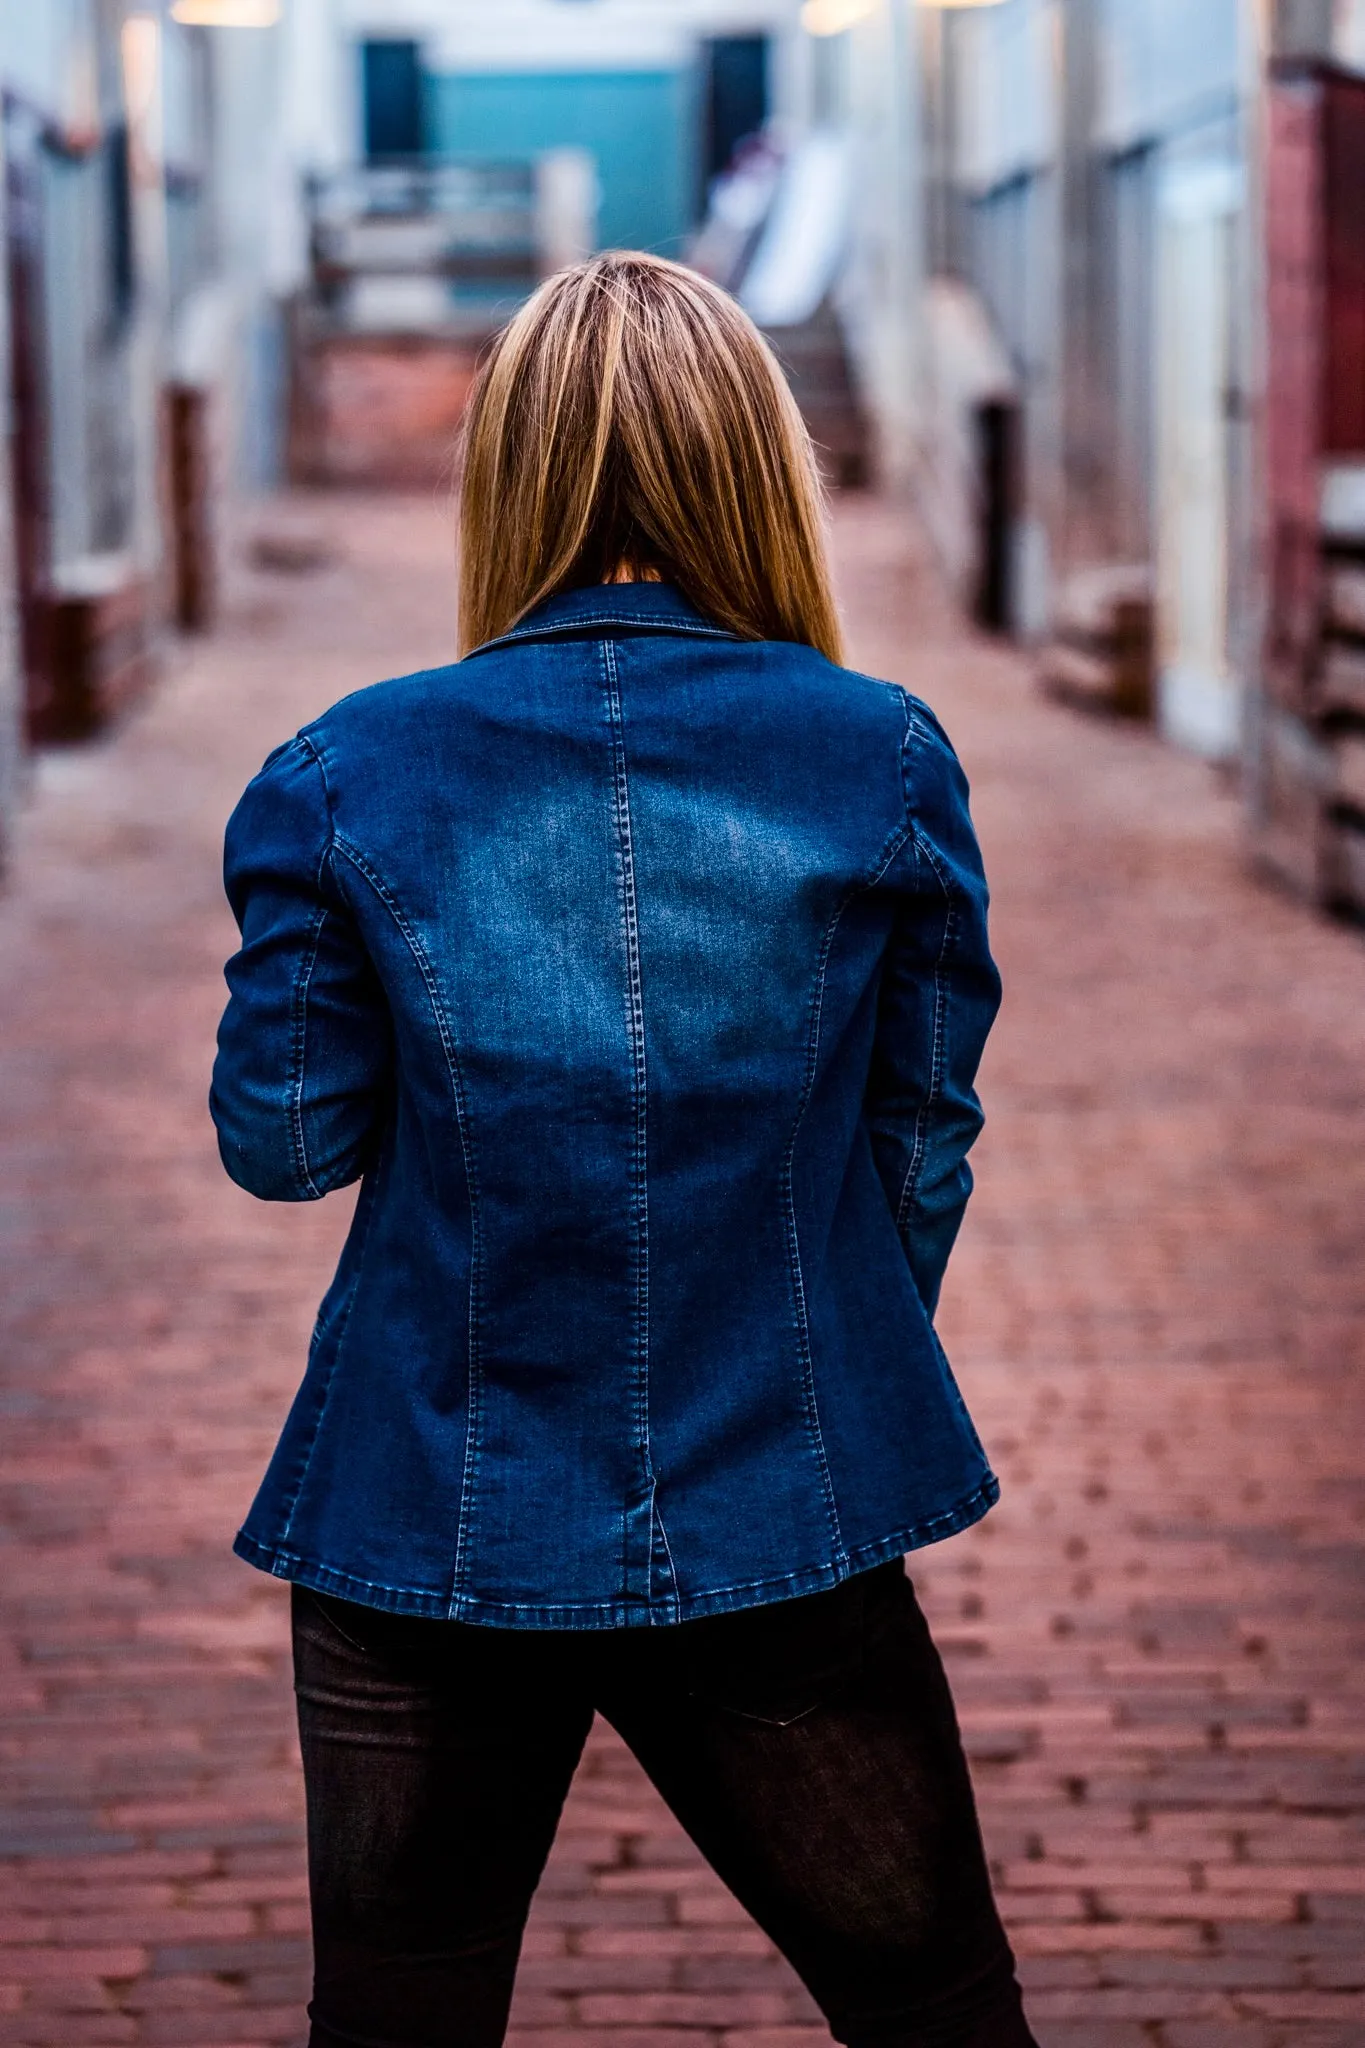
736	98
391	82
1200	701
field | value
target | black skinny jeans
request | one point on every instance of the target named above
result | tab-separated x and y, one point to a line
809	1748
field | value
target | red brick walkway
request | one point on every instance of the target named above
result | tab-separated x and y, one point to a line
1158	1309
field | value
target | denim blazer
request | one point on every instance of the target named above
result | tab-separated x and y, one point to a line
640	974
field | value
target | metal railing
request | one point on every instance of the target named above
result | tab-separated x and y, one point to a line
430	245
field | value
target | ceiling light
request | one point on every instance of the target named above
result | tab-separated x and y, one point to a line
832	17
226	13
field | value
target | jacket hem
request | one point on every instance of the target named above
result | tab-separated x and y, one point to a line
430	1604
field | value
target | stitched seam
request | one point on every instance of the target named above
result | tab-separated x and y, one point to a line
639	1076
920	1147
587	625
884	859
343	1323
474	1414
298	1002
909	1536
298	1047
673	1596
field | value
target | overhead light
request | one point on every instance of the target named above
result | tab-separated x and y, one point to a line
832	17
140	49
226	13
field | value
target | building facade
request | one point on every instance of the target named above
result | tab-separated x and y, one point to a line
119	339
1095	187
1105	294
656	92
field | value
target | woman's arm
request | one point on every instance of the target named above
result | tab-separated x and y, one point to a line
939	997
303	1078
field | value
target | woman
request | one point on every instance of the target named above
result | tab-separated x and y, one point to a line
637	966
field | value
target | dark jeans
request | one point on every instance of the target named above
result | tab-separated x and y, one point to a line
809	1748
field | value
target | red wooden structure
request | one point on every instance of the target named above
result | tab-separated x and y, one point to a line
1309	795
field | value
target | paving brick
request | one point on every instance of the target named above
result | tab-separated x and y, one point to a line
696	2009
1105	2007
28	1965
1103	2034
573	2036
1135	1937
774	2037
1157	1312
1216	2034
77	2030
1348	2006
223	2029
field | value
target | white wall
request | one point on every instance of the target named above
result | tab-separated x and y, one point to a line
1165	64
1007	99
882	295
40	56
1349	37
547	35
11	679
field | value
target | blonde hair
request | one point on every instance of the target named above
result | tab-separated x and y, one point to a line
632	419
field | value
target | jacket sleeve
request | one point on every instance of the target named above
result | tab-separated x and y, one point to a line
303	1077
940	994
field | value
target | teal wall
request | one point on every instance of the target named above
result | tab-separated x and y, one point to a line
640	126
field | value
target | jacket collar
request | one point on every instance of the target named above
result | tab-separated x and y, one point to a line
627	607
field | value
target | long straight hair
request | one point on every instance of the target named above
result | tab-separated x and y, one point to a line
632	421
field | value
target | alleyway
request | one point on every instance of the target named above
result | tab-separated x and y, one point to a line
1158	1311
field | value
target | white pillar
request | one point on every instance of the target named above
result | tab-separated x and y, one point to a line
143	81
11	670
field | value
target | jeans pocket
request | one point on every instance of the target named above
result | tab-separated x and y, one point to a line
780	1663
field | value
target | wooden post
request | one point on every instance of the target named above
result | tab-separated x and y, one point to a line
193	556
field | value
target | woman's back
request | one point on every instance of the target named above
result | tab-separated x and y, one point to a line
638	963
634	1320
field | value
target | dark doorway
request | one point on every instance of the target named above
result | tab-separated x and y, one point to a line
736	103
392	83
1343	326
997	458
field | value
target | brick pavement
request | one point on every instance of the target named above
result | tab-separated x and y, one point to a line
1158	1309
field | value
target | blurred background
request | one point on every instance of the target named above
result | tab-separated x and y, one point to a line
1084	277
1072	293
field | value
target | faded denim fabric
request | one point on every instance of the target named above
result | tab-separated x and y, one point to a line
642	973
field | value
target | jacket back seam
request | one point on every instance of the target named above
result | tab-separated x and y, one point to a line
640	1093
343	1323
474	1410
887	853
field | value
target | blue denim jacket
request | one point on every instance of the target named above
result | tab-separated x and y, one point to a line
641	972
